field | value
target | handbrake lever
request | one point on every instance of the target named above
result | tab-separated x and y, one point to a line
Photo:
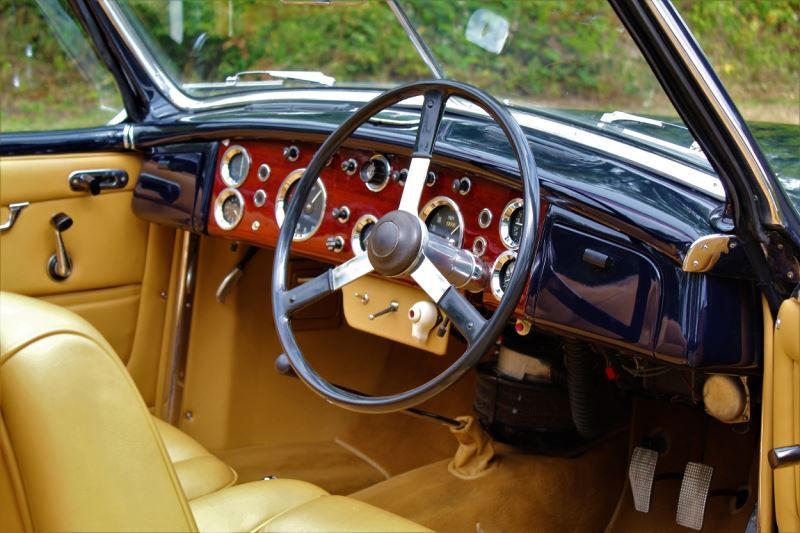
237	272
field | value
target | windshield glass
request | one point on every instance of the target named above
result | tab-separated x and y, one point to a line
212	47
571	60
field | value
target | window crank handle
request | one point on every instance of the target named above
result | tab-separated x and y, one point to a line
60	264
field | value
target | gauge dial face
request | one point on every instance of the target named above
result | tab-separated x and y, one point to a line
443	218
511	223
505	274
502	270
234	166
228	209
313	210
361	232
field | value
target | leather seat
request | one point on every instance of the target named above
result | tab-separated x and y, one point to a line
80	451
199	472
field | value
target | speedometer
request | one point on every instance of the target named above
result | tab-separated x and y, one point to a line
313	210
443	218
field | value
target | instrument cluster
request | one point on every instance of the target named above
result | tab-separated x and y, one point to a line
255	181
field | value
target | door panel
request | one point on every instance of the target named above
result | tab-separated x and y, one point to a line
786	411
120	263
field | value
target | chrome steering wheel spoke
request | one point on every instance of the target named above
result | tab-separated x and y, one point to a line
461	313
329	281
433	106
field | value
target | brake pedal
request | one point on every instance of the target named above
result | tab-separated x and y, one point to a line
641	473
693	496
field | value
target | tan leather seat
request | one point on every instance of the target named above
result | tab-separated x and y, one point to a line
199	472
80	451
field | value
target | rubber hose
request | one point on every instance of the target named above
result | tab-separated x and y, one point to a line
582	389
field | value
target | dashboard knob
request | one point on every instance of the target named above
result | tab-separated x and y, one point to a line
292	153
335	244
375	173
342	214
462	185
401	177
349	166
430	179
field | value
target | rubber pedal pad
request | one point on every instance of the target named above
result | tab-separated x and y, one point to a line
693	496
641	472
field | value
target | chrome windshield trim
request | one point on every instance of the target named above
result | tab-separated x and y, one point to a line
674	27
671	169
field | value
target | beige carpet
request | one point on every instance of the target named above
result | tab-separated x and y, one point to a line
525	492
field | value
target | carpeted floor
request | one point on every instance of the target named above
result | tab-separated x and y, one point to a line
525	492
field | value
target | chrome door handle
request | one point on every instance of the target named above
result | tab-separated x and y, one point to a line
60	265
784	456
95	181
13	212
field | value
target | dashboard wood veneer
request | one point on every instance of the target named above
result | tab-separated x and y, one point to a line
258	225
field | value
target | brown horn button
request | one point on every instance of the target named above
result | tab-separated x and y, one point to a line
394	245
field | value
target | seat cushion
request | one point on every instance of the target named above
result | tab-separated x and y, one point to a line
248	507
336	514
287	505
199	472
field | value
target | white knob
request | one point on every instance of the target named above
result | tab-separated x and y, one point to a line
423	317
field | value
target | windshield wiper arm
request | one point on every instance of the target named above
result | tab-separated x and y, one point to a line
609	119
419	45
311	76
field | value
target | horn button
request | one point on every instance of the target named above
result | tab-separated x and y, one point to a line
395	243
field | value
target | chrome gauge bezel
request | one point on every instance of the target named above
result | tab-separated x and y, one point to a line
280	203
497	268
218	203
505	221
355	235
378	187
225	165
439	201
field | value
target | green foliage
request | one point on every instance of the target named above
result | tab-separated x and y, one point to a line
559	53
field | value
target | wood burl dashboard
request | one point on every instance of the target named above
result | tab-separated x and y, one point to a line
252	188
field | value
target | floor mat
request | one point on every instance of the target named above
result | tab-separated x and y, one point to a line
525	492
334	466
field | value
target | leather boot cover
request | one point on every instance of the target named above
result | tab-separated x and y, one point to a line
475	455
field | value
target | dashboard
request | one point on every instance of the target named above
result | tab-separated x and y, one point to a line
255	180
611	240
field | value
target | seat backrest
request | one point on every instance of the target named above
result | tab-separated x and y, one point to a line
80	451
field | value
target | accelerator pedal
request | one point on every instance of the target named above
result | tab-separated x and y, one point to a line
641	473
693	496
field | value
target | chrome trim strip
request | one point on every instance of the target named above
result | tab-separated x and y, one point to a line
705	182
706	79
179	353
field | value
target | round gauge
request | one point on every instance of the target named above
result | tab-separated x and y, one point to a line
511	224
228	209
313	211
361	232
443	218
234	166
502	270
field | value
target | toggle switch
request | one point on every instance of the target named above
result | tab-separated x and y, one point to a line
392	308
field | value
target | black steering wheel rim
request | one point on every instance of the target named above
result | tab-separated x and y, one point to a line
285	301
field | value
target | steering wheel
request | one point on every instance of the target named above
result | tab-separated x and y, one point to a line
396	247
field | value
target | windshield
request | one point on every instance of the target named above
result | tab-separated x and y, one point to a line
573	61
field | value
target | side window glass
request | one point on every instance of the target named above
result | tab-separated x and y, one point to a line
50	75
